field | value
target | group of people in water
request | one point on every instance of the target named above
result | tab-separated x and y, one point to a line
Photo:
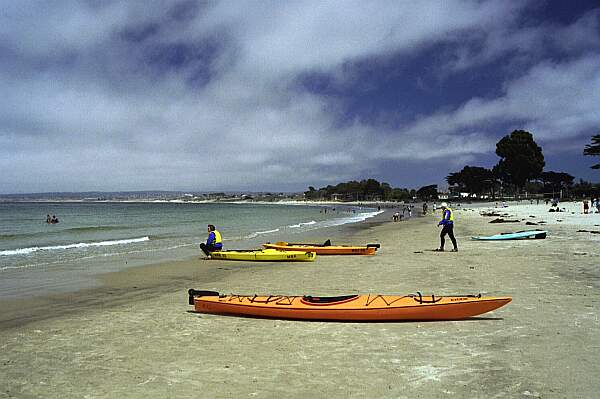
51	220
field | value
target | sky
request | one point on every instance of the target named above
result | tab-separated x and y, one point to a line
281	95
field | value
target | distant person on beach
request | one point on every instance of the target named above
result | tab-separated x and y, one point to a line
48	219
424	208
586	206
54	219
448	223
214	241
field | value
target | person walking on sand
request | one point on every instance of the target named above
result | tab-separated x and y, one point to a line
448	223
214	242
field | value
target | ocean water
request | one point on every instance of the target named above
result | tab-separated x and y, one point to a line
95	238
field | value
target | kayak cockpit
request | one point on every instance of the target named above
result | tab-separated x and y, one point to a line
327	300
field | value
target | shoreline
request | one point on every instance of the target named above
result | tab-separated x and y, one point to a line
33	274
113	287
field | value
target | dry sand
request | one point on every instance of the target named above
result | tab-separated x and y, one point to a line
136	338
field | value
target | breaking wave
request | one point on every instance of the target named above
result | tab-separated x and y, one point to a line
29	250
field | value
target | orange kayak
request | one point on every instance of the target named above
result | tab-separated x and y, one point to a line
325	249
349	307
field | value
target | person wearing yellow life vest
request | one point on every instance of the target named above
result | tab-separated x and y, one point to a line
214	242
448	223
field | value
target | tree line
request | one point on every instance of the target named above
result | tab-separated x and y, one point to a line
364	190
521	169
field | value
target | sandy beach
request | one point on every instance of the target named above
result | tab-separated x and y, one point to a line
136	337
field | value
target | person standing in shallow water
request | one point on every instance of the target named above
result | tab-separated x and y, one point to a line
448	223
214	242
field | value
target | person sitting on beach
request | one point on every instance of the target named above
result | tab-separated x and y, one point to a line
448	223
214	242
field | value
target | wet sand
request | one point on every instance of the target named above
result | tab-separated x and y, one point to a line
136	337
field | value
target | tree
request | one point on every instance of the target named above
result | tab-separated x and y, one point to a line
585	189
386	191
521	159
472	179
401	194
311	193
593	149
428	192
369	189
556	181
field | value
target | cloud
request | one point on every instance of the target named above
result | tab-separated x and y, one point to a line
204	96
553	100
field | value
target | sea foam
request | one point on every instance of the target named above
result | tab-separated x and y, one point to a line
29	250
258	233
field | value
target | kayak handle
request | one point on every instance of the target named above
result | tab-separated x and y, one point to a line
421	300
194	293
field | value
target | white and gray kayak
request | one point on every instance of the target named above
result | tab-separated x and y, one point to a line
519	235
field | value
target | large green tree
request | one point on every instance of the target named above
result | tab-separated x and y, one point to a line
521	159
472	179
556	181
428	192
593	149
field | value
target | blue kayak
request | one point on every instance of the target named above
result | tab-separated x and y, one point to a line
519	235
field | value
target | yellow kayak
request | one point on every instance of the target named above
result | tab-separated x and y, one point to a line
265	255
